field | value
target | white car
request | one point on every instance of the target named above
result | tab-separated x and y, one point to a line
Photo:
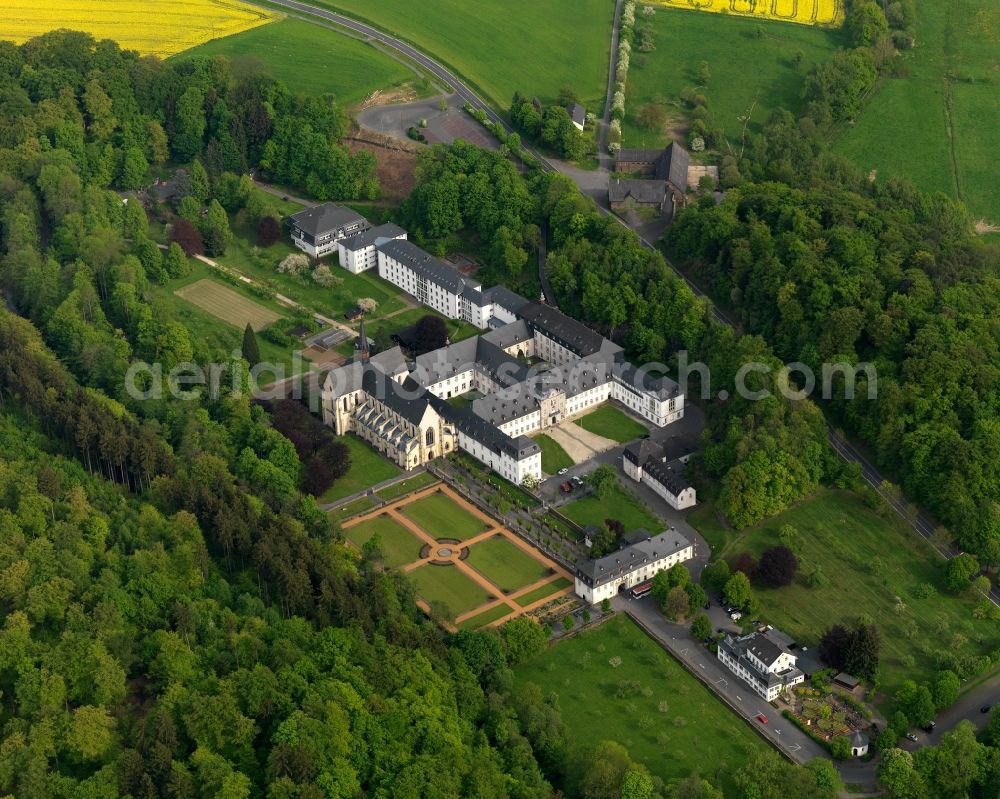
563	470
736	616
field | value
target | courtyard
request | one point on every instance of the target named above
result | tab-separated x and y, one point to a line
468	570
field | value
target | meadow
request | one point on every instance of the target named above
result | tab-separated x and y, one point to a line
939	126
665	717
518	45
315	59
153	27
748	62
872	565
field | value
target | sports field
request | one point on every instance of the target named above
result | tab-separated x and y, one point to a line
665	717
750	64
609	422
313	59
442	518
153	27
829	13
534	47
224	303
489	578
400	545
871	565
505	564
939	126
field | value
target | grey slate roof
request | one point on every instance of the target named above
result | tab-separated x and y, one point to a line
323	218
629	559
373	236
626	155
489	436
503	296
578	113
408	400
573	335
648	192
660	387
673	167
765	649
425	264
859	740
508	335
670	475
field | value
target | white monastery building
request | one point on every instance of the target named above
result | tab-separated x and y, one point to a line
603	578
317	230
761	661
646	462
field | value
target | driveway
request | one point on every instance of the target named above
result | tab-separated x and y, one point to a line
442	126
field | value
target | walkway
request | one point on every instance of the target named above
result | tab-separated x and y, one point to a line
602	132
442	552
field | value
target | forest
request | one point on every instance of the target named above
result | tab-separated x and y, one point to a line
177	617
828	265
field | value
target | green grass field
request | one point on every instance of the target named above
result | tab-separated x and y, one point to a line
660	713
400	545
505	564
533	47
222	302
261	263
442	518
446	584
543	591
611	423
418	481
619	505
352	508
868	561
367	469
904	130
313	59
484	618
742	67
213	338
554	457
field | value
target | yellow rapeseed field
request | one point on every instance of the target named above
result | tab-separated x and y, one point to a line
153	27
829	13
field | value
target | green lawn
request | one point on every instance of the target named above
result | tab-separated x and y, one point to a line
665	717
400	545
869	562
484	618
313	59
261	263
368	467
619	505
212	338
554	457
543	591
448	585
505	564
742	67
611	423
442	518
533	47
418	481
352	508
904	128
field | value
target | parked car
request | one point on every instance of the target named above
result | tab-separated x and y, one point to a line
762	718
984	709
911	736
708	605
563	470
566	487
929	726
736	616
284	197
